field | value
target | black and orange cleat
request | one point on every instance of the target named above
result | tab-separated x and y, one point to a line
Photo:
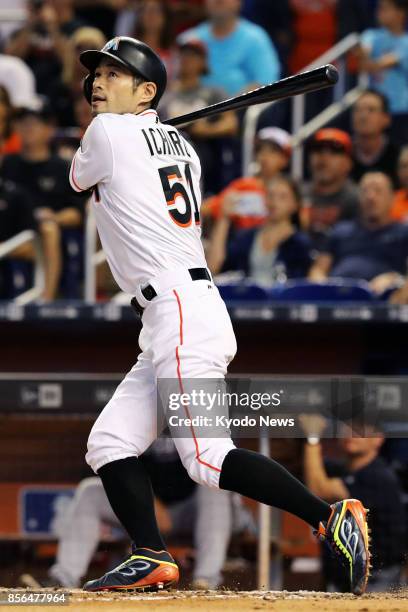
347	534
145	570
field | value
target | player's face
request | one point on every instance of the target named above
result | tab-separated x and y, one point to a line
114	90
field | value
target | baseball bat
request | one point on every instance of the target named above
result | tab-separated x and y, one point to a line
305	82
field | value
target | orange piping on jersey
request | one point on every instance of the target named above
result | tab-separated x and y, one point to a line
182	389
73	177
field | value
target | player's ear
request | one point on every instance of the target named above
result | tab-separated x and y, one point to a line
149	91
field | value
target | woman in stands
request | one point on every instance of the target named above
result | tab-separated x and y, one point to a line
275	251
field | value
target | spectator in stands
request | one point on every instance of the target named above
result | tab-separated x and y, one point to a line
154	26
42	42
67	140
384	55
185	14
100	14
274	252
9	139
364	475
355	16
18	79
241	55
330	196
277	19
64	91
373	247
187	94
272	155
400	207
44	177
310	18
182	509
372	148
16	215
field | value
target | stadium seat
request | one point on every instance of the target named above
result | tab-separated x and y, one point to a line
73	268
243	291
16	277
331	291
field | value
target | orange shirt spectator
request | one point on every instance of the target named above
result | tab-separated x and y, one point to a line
399	210
272	155
315	27
11	145
249	192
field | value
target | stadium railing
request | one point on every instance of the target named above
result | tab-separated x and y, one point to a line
342	100
7	247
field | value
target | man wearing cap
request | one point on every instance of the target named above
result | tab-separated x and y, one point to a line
188	94
272	155
330	196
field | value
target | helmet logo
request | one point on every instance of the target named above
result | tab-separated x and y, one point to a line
112	44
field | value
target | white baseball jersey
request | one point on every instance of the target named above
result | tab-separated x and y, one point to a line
147	195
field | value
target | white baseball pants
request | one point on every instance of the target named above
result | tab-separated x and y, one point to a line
187	333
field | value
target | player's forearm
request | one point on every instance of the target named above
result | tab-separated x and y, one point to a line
217	250
69	217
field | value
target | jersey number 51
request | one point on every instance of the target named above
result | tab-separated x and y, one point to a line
172	181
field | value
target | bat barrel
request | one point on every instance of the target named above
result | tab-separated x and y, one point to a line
305	82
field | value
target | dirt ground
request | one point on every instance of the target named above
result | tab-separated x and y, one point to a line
277	601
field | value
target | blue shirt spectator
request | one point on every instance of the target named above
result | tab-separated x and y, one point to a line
241	58
392	81
270	253
291	257
373	247
362	252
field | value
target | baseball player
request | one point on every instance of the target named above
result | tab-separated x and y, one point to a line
146	200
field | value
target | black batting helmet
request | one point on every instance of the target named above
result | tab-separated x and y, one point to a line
135	55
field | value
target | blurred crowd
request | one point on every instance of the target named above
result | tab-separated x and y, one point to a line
346	219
